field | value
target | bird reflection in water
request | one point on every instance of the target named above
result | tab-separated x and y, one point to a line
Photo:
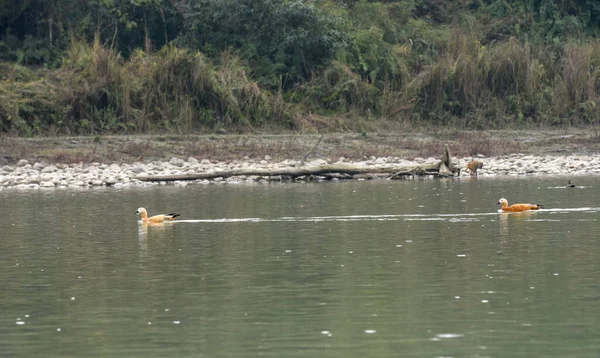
145	227
518	218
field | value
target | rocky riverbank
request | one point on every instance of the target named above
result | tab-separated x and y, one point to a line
26	175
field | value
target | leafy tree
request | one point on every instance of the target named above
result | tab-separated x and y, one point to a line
284	41
37	31
133	24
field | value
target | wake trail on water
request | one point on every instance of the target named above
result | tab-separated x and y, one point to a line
403	217
571	209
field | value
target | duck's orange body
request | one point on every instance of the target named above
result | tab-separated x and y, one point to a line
517	208
473	165
156	218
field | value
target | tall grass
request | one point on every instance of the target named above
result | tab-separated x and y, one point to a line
468	85
511	84
173	90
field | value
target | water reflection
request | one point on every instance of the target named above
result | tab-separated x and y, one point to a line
154	230
516	219
143	237
503	219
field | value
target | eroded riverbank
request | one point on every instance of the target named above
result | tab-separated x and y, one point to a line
119	160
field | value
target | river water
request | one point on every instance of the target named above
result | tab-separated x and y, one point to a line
418	268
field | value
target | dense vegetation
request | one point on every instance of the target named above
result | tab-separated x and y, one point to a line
129	66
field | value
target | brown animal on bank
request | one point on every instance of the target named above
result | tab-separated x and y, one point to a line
473	166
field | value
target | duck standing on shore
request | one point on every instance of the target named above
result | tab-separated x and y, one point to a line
156	218
517	208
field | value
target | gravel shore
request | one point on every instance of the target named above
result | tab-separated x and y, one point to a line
26	175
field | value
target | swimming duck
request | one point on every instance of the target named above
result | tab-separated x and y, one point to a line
515	208
569	185
155	218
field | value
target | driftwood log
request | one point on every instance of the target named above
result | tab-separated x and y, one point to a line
444	168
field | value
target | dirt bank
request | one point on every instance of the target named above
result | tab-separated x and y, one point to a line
130	149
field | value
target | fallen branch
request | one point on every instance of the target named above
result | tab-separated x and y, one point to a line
325	170
443	168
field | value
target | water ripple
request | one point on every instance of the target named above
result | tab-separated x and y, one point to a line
462	217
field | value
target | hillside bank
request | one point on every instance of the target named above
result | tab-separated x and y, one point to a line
184	67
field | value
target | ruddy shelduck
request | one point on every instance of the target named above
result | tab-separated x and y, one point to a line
517	208
156	218
472	167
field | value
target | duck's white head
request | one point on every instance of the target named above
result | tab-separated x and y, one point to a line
139	211
502	202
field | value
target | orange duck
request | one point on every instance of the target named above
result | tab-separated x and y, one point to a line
156	218
517	208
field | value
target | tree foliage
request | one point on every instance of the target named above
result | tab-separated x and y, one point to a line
284	41
182	65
